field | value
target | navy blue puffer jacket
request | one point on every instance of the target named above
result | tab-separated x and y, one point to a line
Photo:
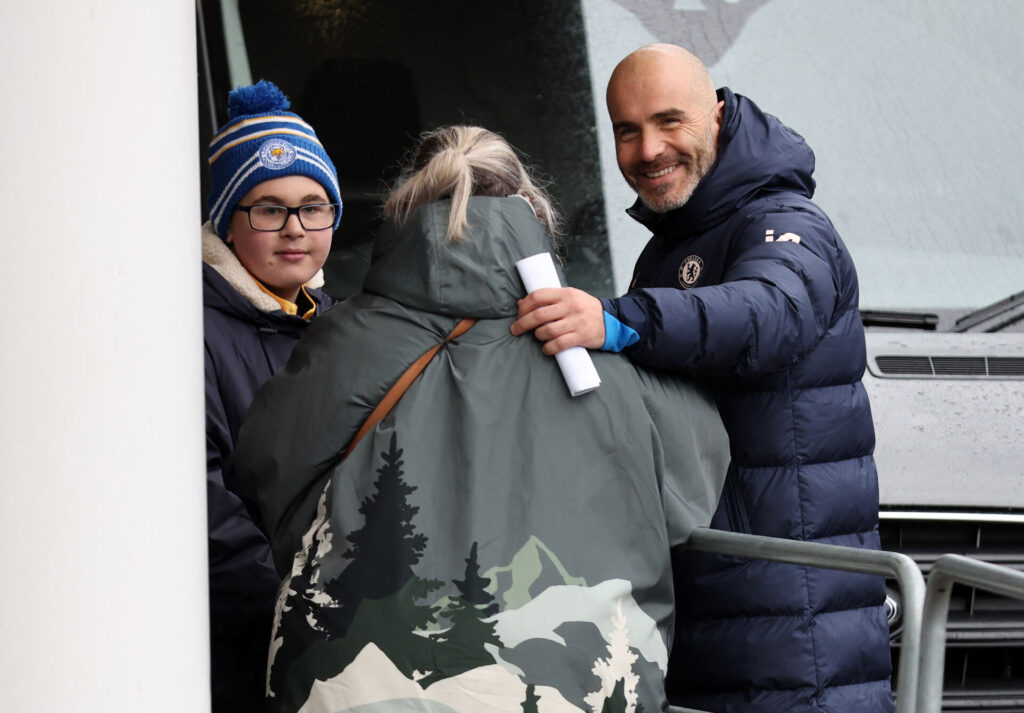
247	338
750	286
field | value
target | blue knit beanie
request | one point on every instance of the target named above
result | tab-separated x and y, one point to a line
262	141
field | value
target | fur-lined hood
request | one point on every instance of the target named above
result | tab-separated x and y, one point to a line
221	258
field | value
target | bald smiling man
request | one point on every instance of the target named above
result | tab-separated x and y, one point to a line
746	284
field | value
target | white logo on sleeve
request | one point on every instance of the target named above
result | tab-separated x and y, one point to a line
769	237
689	271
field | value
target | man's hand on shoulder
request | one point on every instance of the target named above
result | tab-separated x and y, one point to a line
561	317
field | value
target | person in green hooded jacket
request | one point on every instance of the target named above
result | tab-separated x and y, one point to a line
493	543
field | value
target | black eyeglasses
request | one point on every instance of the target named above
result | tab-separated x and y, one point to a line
271	218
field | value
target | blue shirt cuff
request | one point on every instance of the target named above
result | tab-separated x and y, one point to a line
617	336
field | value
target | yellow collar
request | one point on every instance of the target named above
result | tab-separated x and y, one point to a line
291	307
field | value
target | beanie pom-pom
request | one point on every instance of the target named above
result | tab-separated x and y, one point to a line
258	98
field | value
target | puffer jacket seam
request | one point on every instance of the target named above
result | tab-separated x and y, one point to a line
782	464
829	462
809	613
747	390
843	611
783	689
884	679
792	615
841	534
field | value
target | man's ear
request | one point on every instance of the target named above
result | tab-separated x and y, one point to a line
719	116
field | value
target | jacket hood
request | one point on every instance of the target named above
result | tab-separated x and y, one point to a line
414	265
221	258
757	155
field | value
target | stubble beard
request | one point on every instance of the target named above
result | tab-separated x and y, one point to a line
696	167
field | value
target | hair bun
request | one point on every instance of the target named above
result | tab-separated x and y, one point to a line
258	98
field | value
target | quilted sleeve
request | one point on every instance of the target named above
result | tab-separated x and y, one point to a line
779	295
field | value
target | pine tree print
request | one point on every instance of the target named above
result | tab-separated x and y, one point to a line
531	700
616	702
616	671
388	532
384	550
462	645
297	615
468	611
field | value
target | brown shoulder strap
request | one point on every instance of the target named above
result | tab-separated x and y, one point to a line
396	391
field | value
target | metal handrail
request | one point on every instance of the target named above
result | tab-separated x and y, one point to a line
947	570
849	559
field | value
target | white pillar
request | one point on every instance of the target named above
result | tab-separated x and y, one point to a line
102	515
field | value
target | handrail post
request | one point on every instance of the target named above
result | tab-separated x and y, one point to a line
947	570
850	559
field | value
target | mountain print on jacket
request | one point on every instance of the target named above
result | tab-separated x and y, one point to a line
357	629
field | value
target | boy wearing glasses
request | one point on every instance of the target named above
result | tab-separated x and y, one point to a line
274	204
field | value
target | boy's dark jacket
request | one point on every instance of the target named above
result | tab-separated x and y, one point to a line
247	337
750	286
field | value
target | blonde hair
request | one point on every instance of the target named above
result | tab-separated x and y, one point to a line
457	162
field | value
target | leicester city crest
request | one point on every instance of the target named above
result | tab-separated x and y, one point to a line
276	154
689	271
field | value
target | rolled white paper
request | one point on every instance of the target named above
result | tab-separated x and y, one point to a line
577	367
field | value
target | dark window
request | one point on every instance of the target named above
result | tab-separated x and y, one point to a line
370	76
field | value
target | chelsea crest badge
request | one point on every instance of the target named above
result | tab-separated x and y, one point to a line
690	270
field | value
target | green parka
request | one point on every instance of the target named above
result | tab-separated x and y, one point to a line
493	544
